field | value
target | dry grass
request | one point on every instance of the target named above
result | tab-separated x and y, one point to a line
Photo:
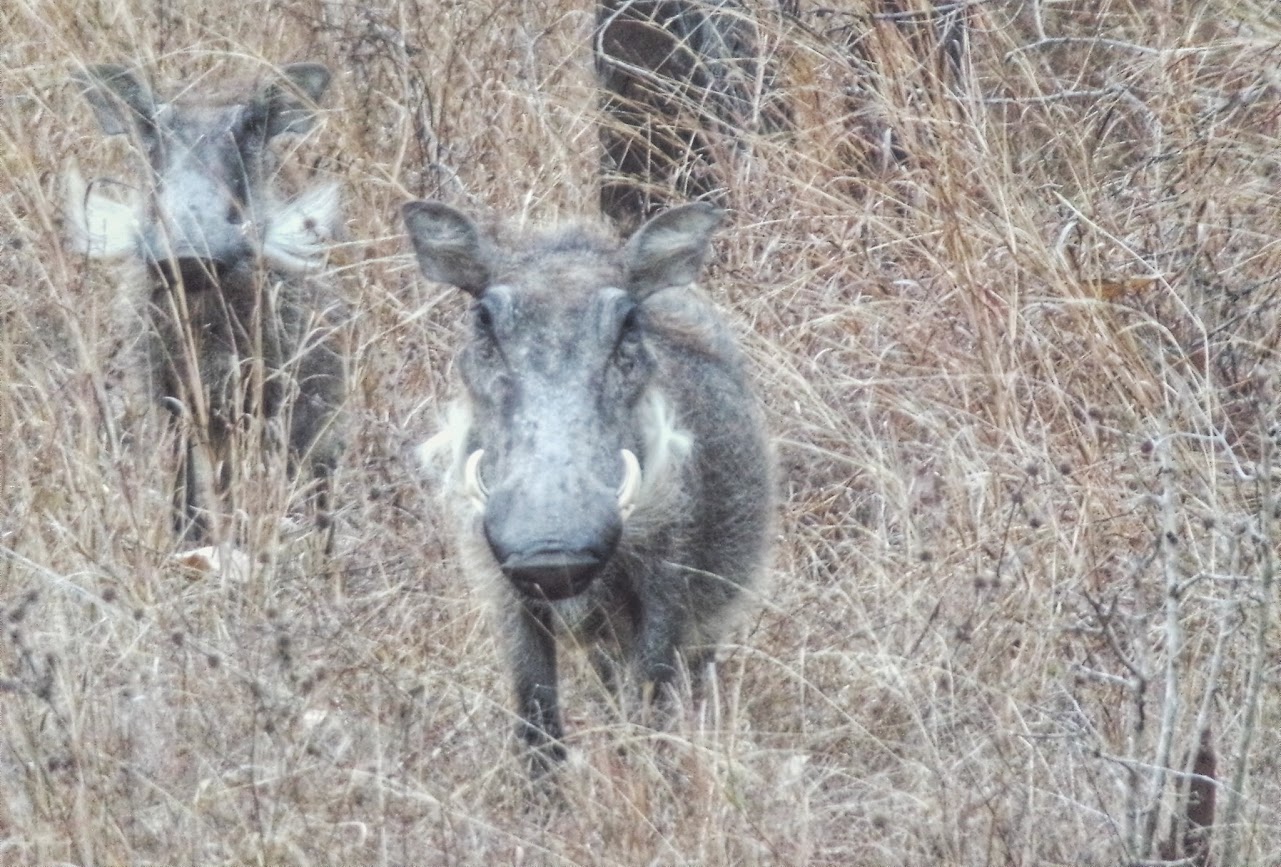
1018	339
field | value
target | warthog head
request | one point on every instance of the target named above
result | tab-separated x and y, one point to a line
209	163
555	369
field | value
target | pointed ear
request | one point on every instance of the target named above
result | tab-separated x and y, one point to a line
120	101
449	246
669	249
291	102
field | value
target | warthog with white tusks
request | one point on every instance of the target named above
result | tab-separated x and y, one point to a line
237	310
612	456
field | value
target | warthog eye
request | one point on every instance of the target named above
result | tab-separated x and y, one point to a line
251	122
631	321
629	352
485	338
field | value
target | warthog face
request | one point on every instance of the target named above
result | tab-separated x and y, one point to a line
555	366
208	164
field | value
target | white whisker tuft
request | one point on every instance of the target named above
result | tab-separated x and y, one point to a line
666	445
445	451
99	227
300	232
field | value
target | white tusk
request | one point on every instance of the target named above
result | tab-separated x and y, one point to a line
630	484
472	482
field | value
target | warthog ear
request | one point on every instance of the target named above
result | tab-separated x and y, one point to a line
120	101
449	246
669	249
291	104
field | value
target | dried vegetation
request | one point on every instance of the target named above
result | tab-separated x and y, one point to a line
1015	317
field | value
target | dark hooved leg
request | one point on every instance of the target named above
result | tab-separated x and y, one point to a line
658	660
189	523
320	505
533	659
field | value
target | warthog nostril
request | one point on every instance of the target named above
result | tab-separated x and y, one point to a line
553	574
476	490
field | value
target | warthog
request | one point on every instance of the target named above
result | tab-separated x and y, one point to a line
682	82
237	313
609	445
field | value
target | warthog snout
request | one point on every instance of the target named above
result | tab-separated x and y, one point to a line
556	569
549	543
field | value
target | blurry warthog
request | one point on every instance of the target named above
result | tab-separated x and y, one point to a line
685	87
612	453
237	312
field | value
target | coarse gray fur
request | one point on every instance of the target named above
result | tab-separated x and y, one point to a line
580	348
236	306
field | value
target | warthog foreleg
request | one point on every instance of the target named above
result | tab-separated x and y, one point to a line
533	650
662	657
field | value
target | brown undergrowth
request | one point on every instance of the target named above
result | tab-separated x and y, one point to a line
1015	321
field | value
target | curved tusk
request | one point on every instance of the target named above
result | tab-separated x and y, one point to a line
630	485
473	484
